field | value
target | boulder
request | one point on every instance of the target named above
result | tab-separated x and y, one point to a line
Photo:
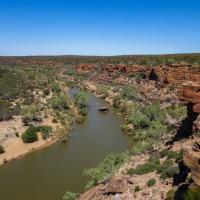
116	185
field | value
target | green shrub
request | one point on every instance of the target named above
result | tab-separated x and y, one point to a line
129	92
139	120
141	147
1	149
125	128
144	168
163	153
151	182
170	194
105	169
30	135
60	102
166	164
169	172
70	196
172	154
90	184
81	99
177	111
31	113
154	156
192	194
45	131
55	87
116	101
154	112
103	90
83	111
156	130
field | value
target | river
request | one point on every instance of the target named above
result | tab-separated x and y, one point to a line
46	174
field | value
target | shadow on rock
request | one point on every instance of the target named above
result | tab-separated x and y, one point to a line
180	192
182	175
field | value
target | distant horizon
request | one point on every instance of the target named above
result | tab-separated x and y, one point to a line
43	55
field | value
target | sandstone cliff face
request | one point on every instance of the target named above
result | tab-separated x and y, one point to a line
190	93
191	157
177	75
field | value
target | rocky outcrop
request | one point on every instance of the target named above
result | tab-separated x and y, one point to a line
92	193
174	75
84	68
191	157
116	186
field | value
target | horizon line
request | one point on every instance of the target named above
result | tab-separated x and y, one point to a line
97	55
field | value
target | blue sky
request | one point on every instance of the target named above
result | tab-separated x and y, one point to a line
99	27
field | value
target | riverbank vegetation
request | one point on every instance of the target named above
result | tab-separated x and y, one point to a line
105	169
34	100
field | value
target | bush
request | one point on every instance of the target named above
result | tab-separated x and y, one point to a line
60	102
70	196
30	135
156	130
45	131
144	168
83	111
172	154
192	194
151	182
90	184
129	92
154	112
55	87
166	164
103	90
105	169
116	101
140	147
31	113
170	194
81	99
139	120
154	156
1	149
169	172
163	153
177	111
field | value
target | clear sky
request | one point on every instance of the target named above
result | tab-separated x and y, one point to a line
99	27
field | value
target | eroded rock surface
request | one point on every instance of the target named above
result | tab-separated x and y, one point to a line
191	158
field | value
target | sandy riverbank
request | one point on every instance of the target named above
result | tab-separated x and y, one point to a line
19	149
14	146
